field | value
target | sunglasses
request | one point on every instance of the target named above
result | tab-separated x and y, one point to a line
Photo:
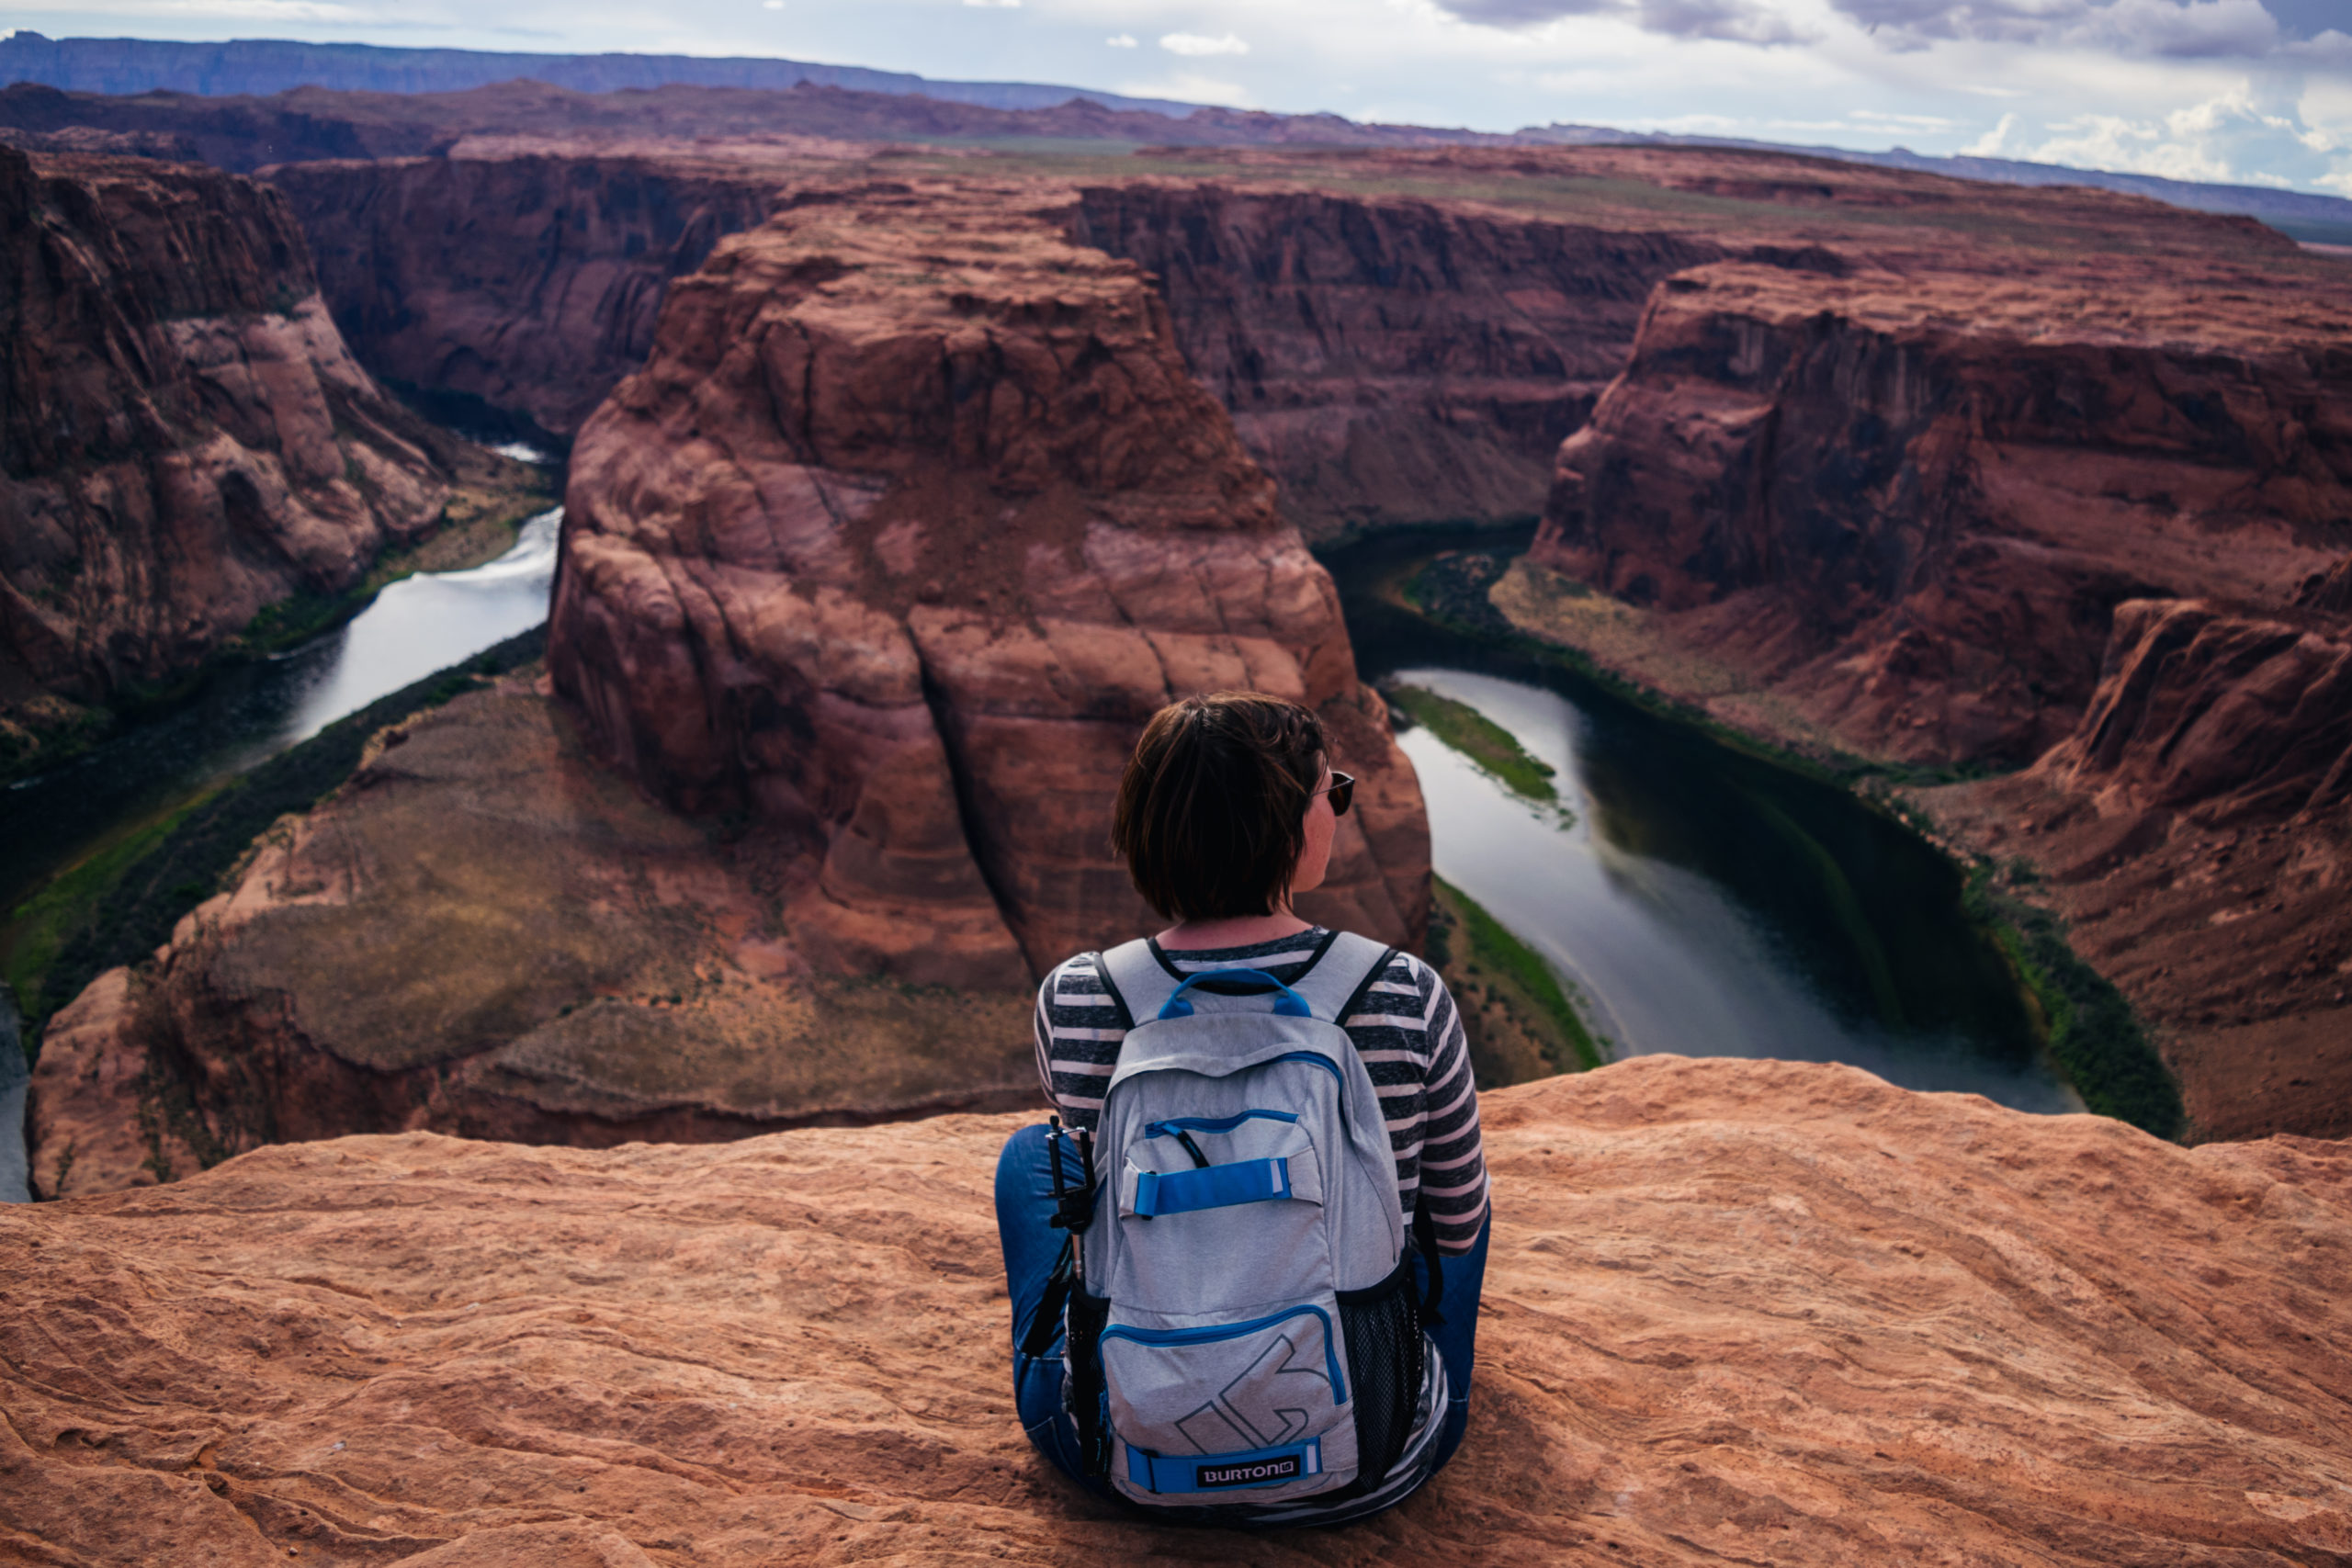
1342	791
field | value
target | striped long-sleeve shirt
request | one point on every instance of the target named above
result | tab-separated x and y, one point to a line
1405	1028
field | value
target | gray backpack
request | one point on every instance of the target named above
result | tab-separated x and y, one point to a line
1241	1326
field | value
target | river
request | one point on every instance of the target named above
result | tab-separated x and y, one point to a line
245	713
1700	900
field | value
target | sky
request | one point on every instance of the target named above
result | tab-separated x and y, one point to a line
2255	92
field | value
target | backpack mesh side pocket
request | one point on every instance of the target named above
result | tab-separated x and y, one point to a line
1088	1398
1381	1325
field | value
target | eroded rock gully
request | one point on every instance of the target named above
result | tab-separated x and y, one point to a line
487	934
2195	832
1744	1311
186	439
911	520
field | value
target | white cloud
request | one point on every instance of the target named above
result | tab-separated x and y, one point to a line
1194	44
1007	4
1121	40
1991	145
771	5
2200	141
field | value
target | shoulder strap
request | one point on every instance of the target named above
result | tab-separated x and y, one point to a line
1349	965
1134	979
1345	967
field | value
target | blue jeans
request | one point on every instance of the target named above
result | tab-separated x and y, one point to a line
1025	1202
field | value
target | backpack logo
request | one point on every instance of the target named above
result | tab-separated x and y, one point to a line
1255	1473
1264	1407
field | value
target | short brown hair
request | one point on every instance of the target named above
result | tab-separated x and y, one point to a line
1212	808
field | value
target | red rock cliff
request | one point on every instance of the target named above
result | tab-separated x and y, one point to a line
2196	832
531	282
913	519
1912	505
1390	361
183	438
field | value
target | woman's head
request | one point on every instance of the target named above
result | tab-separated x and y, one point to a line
1219	814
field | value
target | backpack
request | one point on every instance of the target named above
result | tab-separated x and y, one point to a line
1240	1325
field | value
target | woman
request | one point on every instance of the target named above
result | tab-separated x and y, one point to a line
1228	812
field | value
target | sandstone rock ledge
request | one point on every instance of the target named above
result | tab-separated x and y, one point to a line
1739	1311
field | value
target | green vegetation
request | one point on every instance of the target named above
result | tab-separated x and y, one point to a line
1450	592
454	546
1521	1019
1481	739
119	904
2092	1033
38	929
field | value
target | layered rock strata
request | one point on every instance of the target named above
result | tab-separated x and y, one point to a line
530	283
1390	361
1946	510
185	439
2195	832
913	519
1736	1310
484	933
1909	510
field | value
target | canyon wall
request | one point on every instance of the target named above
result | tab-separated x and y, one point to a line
1748	1312
2094	518
1910	508
530	283
183	437
1389	361
2196	834
913	519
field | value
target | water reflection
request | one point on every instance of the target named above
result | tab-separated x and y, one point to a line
1702	901
420	624
249	712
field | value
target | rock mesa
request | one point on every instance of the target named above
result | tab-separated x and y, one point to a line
912	518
